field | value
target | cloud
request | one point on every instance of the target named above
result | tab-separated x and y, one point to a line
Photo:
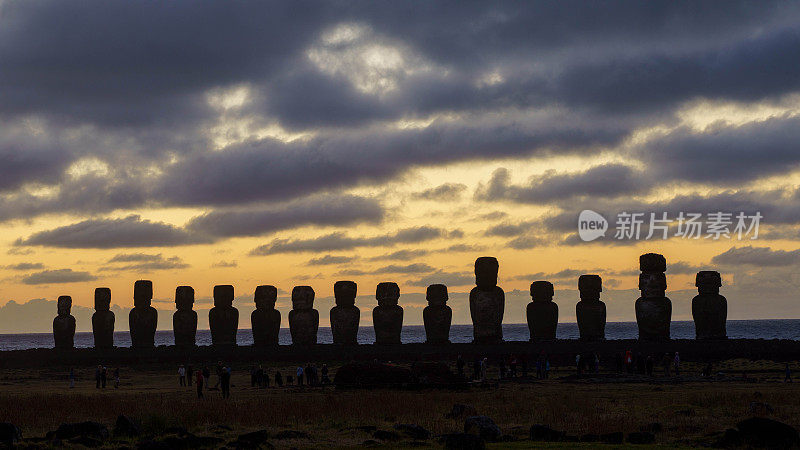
757	256
143	263
325	210
401	255
130	231
329	260
446	278
225	264
24	266
685	268
340	241
57	276
447	192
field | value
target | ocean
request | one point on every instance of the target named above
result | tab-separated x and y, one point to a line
737	329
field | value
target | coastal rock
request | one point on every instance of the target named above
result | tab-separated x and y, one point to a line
437	316
223	318
387	317
542	312
143	318
590	311
303	318
265	320
709	309
103	319
484	427
184	319
345	316
64	324
487	302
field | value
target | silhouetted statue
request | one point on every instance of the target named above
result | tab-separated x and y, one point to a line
387	317
64	324
437	315
345	315
184	319
223	318
487	302
103	319
542	312
590	310
265	320
303	318
143	318
709	309
653	308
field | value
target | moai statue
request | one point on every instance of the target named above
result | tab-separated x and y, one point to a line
184	319
709	309
223	318
345	315
303	318
590	310
265	320
653	308
64	324
542	312
103	319
437	315
487	302
387	317
143	318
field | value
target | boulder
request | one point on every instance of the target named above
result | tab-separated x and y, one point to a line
464	441
125	426
760	431
292	434
414	431
251	440
641	438
484	427
67	431
9	434
545	434
385	435
612	438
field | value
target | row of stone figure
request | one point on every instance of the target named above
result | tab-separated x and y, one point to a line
486	302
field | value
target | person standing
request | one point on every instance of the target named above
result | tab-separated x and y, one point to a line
460	366
225	382
181	376
578	363
787	374
299	375
71	378
189	375
97	376
199	383
116	378
546	368
677	364
278	378
206	376
104	376
324	371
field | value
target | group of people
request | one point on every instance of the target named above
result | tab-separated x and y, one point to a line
100	377
631	362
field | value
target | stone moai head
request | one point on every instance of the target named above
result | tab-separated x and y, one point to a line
542	291
436	295
142	293
590	287
486	268
344	293
302	297
652	262
652	281
265	297
708	282
184	298
387	293
64	305
102	299
223	295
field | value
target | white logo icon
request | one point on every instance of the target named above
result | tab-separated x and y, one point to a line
591	225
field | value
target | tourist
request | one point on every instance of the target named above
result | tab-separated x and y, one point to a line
539	371
484	364
787	377
97	372
666	361
181	376
253	376
309	371
189	373
546	368
71	378
299	375
628	361
677	364
225	382
103	376
219	371
460	366
578	363
649	365
596	363
278	379
476	369
206	376
325	380
199	383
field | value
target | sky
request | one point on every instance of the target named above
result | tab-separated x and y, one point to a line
301	143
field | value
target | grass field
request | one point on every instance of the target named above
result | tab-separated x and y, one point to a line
686	408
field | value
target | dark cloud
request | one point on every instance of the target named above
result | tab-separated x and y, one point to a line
757	256
447	278
320	211
607	180
57	276
684	268
225	264
24	266
330	260
401	255
143	263
341	241
131	231
508	229
447	192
